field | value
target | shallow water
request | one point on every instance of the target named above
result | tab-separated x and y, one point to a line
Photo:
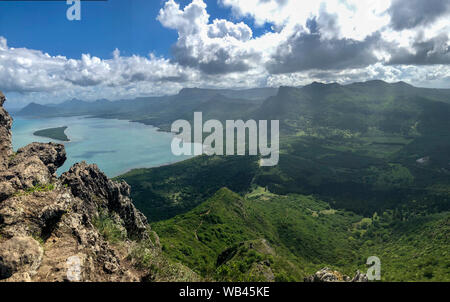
116	146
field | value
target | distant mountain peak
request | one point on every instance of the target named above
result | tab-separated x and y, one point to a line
315	83
404	84
317	87
34	109
33	104
382	84
376	82
283	90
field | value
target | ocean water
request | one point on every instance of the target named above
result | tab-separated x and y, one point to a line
116	146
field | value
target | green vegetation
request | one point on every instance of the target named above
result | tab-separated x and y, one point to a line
228	236
53	133
158	267
36	188
354	146
39	239
109	228
264	236
11	158
364	171
145	254
167	191
411	249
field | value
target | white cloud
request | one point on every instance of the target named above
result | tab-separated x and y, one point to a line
32	72
219	47
315	40
356	19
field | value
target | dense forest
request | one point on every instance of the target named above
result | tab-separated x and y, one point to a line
364	171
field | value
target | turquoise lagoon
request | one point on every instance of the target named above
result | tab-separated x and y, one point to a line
116	146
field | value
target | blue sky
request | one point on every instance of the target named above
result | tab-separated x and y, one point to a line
129	25
122	49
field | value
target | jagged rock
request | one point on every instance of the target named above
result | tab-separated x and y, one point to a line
35	203
20	255
328	275
24	175
34	213
63	214
89	183
33	165
5	135
52	155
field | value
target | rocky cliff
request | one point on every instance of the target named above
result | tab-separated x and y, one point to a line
328	275
81	226
5	134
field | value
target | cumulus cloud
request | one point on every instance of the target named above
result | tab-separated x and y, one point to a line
214	48
24	71
304	51
31	75
424	52
412	13
341	36
355	19
27	70
316	36
317	40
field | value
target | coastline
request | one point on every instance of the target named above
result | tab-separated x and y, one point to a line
143	164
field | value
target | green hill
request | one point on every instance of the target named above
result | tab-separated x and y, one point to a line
267	237
167	191
292	235
363	171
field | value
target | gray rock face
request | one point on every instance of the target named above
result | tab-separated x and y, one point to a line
89	183
33	165
52	155
62	214
25	175
5	135
20	255
328	275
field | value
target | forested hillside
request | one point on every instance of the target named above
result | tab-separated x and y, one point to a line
364	170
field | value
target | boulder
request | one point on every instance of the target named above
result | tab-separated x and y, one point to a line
52	155
24	175
90	184
20	255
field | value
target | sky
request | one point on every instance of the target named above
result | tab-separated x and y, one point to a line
122	49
